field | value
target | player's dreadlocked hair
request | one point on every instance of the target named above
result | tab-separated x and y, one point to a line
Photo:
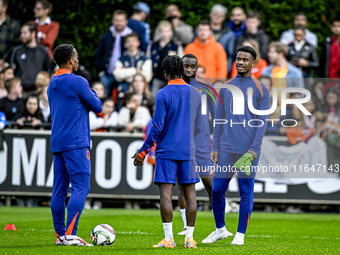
63	53
174	66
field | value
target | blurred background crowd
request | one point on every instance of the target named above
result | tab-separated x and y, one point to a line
128	61
123	64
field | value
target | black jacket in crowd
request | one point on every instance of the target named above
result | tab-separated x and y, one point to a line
104	51
28	62
261	37
307	52
325	57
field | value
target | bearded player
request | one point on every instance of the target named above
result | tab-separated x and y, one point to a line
234	139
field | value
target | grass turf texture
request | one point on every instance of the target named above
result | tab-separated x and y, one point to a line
137	231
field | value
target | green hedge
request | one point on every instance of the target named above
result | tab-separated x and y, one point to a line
82	24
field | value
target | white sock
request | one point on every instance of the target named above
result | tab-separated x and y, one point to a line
168	231
239	235
220	230
71	236
184	218
190	233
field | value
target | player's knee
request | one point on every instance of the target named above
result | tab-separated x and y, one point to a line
216	189
246	196
166	200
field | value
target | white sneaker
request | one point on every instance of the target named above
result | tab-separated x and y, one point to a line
87	204
214	236
60	240
76	242
237	241
235	207
97	205
183	232
227	208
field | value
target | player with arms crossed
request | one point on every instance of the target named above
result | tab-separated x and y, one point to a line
70	99
176	122
232	141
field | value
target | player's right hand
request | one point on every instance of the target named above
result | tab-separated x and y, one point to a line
214	156
138	160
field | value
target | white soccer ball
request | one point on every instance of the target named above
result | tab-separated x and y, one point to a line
103	234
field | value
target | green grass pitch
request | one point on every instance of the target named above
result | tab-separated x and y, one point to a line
137	231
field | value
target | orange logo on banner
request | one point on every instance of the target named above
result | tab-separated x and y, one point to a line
88	154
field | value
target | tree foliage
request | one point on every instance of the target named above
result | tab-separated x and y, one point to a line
83	22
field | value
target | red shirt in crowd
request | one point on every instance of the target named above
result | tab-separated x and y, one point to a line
334	60
51	29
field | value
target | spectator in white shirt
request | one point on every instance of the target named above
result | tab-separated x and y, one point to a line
300	19
43	79
43	104
100	89
302	54
141	88
132	115
107	118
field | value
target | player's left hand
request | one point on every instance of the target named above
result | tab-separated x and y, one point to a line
138	160
253	153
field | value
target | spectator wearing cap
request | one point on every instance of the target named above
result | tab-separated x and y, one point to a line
223	35
253	31
137	23
302	54
182	32
159	50
300	19
110	49
9	32
48	29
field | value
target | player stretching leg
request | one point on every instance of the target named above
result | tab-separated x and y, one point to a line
232	141
70	99
202	140
177	120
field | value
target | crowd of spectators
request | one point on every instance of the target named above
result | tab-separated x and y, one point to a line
128	63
